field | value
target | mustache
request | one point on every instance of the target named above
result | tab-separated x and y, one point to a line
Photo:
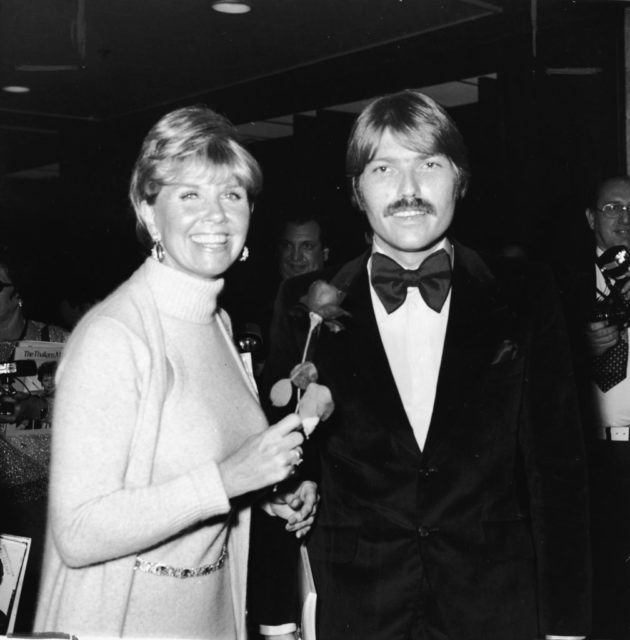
409	204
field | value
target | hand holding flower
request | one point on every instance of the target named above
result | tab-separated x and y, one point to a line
263	459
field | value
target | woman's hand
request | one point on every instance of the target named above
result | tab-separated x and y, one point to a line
297	506
264	459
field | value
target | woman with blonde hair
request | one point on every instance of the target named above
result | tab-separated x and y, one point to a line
158	437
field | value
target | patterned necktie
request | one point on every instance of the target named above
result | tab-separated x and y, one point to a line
610	368
432	277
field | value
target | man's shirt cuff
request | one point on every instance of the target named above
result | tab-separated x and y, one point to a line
277	630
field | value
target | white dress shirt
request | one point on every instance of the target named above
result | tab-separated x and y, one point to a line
613	406
413	337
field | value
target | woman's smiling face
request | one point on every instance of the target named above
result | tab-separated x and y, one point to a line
201	218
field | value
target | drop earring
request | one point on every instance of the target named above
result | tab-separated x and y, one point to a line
158	251
244	254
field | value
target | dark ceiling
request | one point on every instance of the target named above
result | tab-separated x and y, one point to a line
123	63
103	59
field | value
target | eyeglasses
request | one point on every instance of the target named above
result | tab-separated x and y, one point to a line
614	209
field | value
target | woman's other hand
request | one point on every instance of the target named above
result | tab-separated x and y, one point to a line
264	459
297	506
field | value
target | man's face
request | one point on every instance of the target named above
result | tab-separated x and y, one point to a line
301	249
611	232
9	299
408	197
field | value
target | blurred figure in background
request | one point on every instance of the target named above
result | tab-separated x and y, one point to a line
604	293
23	477
14	325
37	408
302	245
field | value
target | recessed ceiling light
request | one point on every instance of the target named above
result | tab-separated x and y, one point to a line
231	6
15	88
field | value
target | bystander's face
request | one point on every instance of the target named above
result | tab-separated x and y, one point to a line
301	249
202	220
611	232
48	384
408	197
9	298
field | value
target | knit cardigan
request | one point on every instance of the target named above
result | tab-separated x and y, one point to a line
100	592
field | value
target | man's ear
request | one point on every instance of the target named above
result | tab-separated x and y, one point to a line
590	218
147	215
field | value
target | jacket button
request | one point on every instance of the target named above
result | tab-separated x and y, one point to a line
423	532
427	471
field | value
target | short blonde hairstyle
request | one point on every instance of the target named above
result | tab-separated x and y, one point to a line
189	136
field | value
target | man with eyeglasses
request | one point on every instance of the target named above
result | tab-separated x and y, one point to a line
609	219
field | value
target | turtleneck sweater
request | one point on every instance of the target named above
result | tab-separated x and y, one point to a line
179	515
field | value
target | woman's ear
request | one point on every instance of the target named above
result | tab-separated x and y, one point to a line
147	215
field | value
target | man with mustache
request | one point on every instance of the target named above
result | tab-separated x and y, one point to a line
452	473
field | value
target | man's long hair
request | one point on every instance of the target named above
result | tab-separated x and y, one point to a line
420	124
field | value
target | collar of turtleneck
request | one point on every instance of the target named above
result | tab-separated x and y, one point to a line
181	294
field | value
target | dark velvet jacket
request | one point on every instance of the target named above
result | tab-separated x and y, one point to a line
493	510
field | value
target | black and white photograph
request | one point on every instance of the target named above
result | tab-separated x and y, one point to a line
314	319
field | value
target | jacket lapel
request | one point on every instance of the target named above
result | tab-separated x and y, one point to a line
365	356
478	318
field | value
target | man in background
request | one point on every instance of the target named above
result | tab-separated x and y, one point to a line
604	290
301	245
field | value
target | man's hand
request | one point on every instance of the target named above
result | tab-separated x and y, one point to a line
625	290
297	506
601	336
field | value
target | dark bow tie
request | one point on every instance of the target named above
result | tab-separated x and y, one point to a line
432	277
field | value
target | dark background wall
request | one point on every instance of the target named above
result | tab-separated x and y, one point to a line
542	134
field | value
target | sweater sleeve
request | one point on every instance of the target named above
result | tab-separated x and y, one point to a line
94	518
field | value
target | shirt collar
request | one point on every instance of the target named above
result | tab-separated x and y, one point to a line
444	243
